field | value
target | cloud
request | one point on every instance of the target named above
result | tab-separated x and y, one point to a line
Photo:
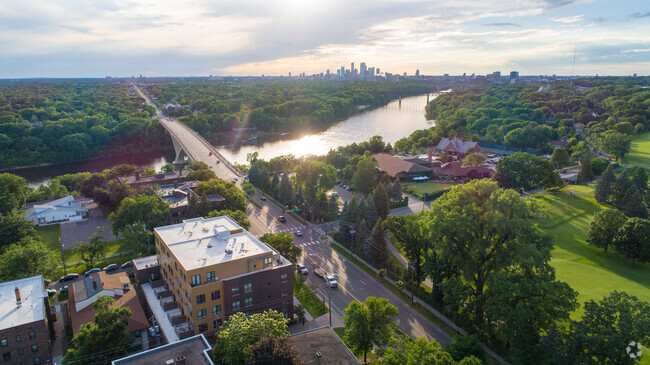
503	25
639	15
568	19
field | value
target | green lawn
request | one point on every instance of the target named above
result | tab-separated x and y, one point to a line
50	236
308	298
639	151
429	187
580	189
592	272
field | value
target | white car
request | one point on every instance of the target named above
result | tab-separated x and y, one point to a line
299	233
303	269
331	281
210	166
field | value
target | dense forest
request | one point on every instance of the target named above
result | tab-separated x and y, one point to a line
604	111
54	121
215	108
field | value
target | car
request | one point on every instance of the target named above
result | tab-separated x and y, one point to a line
218	161
263	198
47	282
92	271
299	233
126	264
331	281
211	166
282	219
303	269
210	154
348	188
236	179
111	267
51	292
64	290
69	277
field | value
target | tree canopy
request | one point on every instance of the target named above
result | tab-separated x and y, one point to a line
283	243
26	258
13	193
369	324
525	171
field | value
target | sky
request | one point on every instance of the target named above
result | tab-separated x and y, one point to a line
96	38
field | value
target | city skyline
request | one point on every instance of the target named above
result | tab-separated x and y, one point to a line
132	37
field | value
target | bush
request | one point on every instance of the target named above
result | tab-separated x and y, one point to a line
464	346
599	164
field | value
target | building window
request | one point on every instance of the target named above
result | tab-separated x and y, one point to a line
6	356
268	261
216	309
4	342
216	294
200	299
20	351
284	292
37	360
17	338
283	277
217	323
196	279
202	313
210	276
248	302
34	348
235	291
236	305
203	327
248	288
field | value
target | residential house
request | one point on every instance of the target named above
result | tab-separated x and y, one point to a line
57	211
177	196
456	170
399	168
458	146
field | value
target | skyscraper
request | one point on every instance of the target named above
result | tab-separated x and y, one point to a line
362	69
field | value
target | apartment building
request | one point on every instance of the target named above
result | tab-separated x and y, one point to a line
213	268
25	324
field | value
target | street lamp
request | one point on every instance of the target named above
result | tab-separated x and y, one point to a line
352	232
65	272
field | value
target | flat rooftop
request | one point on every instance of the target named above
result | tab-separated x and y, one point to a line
144	262
203	242
31	308
322	346
195	349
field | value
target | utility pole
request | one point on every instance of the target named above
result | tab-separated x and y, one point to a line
65	272
329	302
352	232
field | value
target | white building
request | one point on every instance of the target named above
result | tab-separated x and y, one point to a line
57	211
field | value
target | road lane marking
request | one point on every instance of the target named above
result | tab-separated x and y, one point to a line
362	282
339	284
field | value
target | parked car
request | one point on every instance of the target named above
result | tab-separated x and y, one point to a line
263	198
92	271
69	277
64	290
303	269
348	188
236	179
126	264
282	219
51	292
211	166
111	267
299	233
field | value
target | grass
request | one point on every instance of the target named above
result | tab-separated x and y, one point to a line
50	236
580	189
308	298
639	150
589	270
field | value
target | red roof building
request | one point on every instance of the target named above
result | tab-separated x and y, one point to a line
455	169
400	168
455	145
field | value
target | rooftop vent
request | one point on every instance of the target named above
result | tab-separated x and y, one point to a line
18	299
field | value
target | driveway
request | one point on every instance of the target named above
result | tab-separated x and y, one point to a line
71	233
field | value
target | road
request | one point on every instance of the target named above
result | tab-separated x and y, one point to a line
354	283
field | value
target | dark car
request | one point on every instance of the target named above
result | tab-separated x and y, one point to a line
92	271
282	219
263	198
126	264
69	277
64	290
111	267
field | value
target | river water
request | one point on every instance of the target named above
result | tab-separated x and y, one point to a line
392	121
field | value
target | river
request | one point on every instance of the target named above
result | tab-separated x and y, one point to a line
392	121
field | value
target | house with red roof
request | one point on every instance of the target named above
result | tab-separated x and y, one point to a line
455	146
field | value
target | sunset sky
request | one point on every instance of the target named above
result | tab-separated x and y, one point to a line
94	38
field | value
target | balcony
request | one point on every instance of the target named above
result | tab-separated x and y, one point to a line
184	330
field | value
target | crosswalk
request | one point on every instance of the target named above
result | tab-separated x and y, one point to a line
293	229
308	243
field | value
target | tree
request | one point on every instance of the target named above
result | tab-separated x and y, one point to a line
633	203
586	173
283	243
605	185
299	311
474	159
381	200
464	346
599	164
94	250
14	228
53	190
560	158
396	191
406	229
285	189
312	177
25	258
604	226
640	180
240	332
615	143
168	168
200	175
525	171
137	238
274	350
233	196
377	244
621	187
148	172
498	259
401	351
365	175
13	193
146	209
605	331
369	324
633	239
106	339
239	216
